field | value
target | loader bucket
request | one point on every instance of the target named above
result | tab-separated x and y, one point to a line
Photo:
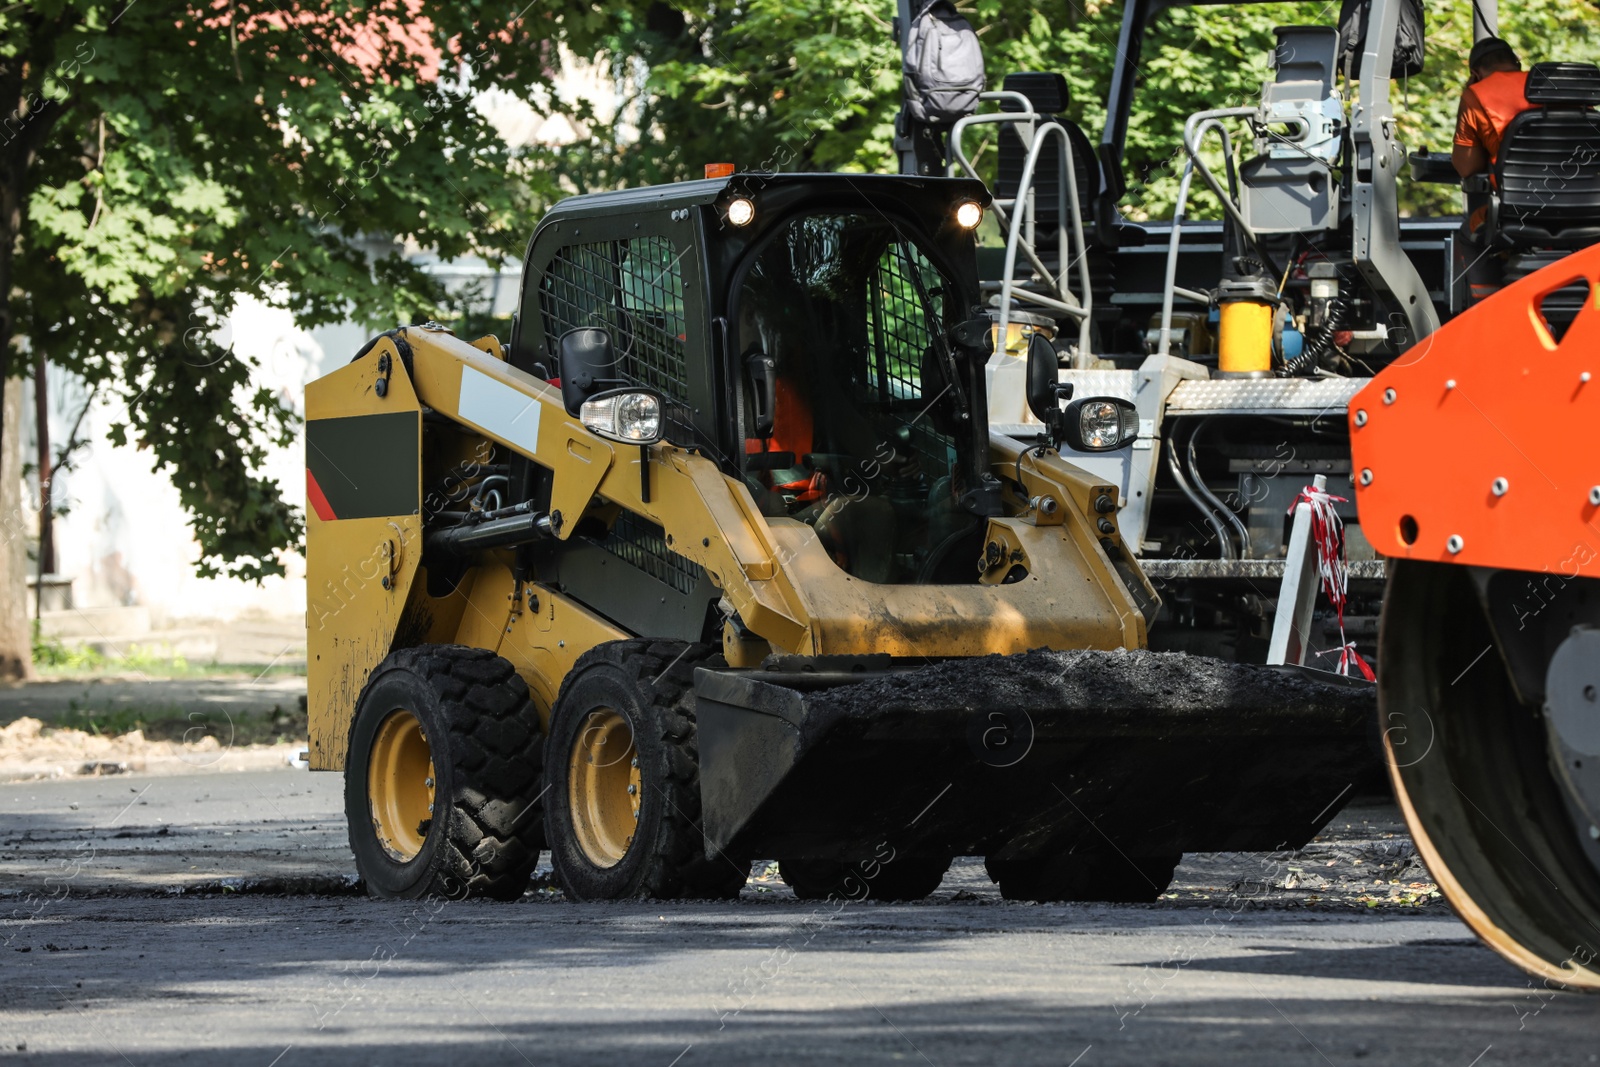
1023	755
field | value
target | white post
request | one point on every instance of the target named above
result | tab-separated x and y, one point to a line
1297	596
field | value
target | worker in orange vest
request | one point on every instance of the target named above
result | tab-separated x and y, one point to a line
1493	97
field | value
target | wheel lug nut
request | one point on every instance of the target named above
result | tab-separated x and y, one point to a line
428	782
430	809
632	789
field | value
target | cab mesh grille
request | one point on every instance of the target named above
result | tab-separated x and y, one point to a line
634	290
643	544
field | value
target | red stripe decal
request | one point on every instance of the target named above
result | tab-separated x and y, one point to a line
314	497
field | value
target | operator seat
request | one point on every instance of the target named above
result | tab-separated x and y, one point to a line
1545	201
1547	177
1048	95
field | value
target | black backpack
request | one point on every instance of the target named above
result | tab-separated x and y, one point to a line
943	65
1353	18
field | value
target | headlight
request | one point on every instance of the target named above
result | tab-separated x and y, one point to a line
968	214
1101	423
631	416
741	210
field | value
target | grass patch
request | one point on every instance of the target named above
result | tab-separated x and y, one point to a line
49	653
53	658
174	724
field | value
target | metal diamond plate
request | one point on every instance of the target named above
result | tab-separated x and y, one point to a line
1252	569
1265	396
1117	383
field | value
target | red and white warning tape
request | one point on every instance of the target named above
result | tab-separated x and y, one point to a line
1327	533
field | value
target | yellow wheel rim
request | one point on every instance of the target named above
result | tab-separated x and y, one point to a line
400	785
604	787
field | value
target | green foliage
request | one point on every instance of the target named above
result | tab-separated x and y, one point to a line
52	654
167	161
767	85
804	86
161	162
55	657
772	84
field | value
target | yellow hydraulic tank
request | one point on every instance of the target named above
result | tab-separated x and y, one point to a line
1244	334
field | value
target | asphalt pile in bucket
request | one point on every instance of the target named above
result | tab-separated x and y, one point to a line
1117	685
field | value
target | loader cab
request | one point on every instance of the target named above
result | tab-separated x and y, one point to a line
800	330
839	319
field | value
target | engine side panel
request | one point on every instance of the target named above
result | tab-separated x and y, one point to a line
363	533
1511	407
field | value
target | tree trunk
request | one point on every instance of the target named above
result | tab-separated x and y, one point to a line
16	642
21	150
41	419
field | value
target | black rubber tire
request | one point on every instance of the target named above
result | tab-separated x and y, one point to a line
1473	765
891	878
649	683
1085	876
483	735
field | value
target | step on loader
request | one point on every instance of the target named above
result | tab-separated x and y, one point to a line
717	560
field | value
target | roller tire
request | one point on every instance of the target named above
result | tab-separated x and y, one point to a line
650	683
900	878
1107	877
1475	776
483	736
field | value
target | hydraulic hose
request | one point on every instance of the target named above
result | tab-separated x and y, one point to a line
1205	491
1320	343
1176	464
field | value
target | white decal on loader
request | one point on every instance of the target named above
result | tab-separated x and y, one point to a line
499	409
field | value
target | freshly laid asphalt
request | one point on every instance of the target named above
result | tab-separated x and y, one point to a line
212	918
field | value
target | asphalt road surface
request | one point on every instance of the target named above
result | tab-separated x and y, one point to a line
211	919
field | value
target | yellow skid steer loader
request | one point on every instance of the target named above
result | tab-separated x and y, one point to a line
718	560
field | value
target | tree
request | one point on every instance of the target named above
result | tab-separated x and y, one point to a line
771	83
163	161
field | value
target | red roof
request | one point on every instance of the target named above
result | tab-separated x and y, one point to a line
379	37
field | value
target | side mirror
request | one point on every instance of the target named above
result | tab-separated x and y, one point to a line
1099	424
1045	390
606	404
587	366
763	370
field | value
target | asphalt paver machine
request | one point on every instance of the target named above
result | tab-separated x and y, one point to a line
1239	341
